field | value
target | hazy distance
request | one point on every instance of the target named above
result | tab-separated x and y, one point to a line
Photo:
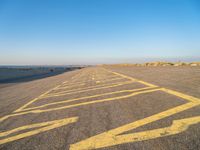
95	32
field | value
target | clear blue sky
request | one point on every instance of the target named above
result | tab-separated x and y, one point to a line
60	32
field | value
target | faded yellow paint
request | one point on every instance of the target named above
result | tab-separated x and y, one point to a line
98	82
130	78
110	76
95	86
86	97
44	126
37	98
85	90
112	79
75	83
80	104
71	86
85	82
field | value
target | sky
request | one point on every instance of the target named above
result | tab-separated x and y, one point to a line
67	32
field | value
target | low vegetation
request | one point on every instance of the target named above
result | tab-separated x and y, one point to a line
158	63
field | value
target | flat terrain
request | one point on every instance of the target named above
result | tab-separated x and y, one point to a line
115	108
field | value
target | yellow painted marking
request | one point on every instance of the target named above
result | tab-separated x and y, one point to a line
80	104
76	83
95	86
85	82
74	77
70	86
21	108
86	97
44	126
112	79
112	137
90	89
108	77
35	99
184	96
127	77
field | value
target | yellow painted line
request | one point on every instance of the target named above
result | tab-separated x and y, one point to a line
95	86
74	77
130	78
90	89
181	95
109	139
115	137
70	86
85	82
86	97
35	99
177	126
97	82
76	83
80	104
102	81
43	127
106	77
113	79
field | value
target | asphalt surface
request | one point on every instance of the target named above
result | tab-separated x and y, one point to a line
115	108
